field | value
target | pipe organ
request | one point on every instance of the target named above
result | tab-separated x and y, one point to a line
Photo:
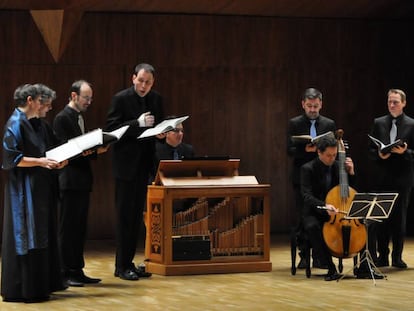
202	217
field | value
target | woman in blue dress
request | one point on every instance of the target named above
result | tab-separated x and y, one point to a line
30	267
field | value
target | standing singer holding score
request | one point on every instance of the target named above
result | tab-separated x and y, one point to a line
75	183
133	160
393	173
313	124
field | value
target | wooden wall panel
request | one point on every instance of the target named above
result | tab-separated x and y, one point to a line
104	39
21	39
239	78
177	40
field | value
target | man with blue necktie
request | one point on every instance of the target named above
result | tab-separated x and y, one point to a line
394	172
309	123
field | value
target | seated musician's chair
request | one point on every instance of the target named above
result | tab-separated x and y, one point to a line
299	242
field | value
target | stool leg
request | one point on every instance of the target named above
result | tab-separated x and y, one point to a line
340	265
293	247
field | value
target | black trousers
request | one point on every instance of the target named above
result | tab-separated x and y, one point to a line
313	228
73	221
394	227
299	217
130	200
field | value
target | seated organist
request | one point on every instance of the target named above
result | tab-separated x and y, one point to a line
172	147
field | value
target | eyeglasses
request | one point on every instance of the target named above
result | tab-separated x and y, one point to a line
177	130
87	98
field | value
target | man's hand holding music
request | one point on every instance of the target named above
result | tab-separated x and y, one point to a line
399	149
310	148
87	152
62	164
102	149
146	119
161	136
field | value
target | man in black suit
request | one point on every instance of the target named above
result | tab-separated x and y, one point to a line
393	173
75	182
317	178
303	152
173	148
133	160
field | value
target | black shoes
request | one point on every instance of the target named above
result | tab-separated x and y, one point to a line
140	270
72	282
367	275
129	275
399	263
87	280
332	276
79	279
133	274
382	262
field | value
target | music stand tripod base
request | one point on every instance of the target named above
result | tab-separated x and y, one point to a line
374	207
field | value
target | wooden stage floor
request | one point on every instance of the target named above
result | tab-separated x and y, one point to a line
275	290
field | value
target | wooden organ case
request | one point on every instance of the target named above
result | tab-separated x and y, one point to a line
202	217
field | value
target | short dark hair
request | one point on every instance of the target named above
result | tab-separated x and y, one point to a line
76	86
325	142
312	93
147	67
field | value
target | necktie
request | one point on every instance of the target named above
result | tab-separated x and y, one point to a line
313	129
81	123
393	131
175	154
328	178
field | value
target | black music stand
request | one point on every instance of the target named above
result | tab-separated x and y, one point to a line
371	207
